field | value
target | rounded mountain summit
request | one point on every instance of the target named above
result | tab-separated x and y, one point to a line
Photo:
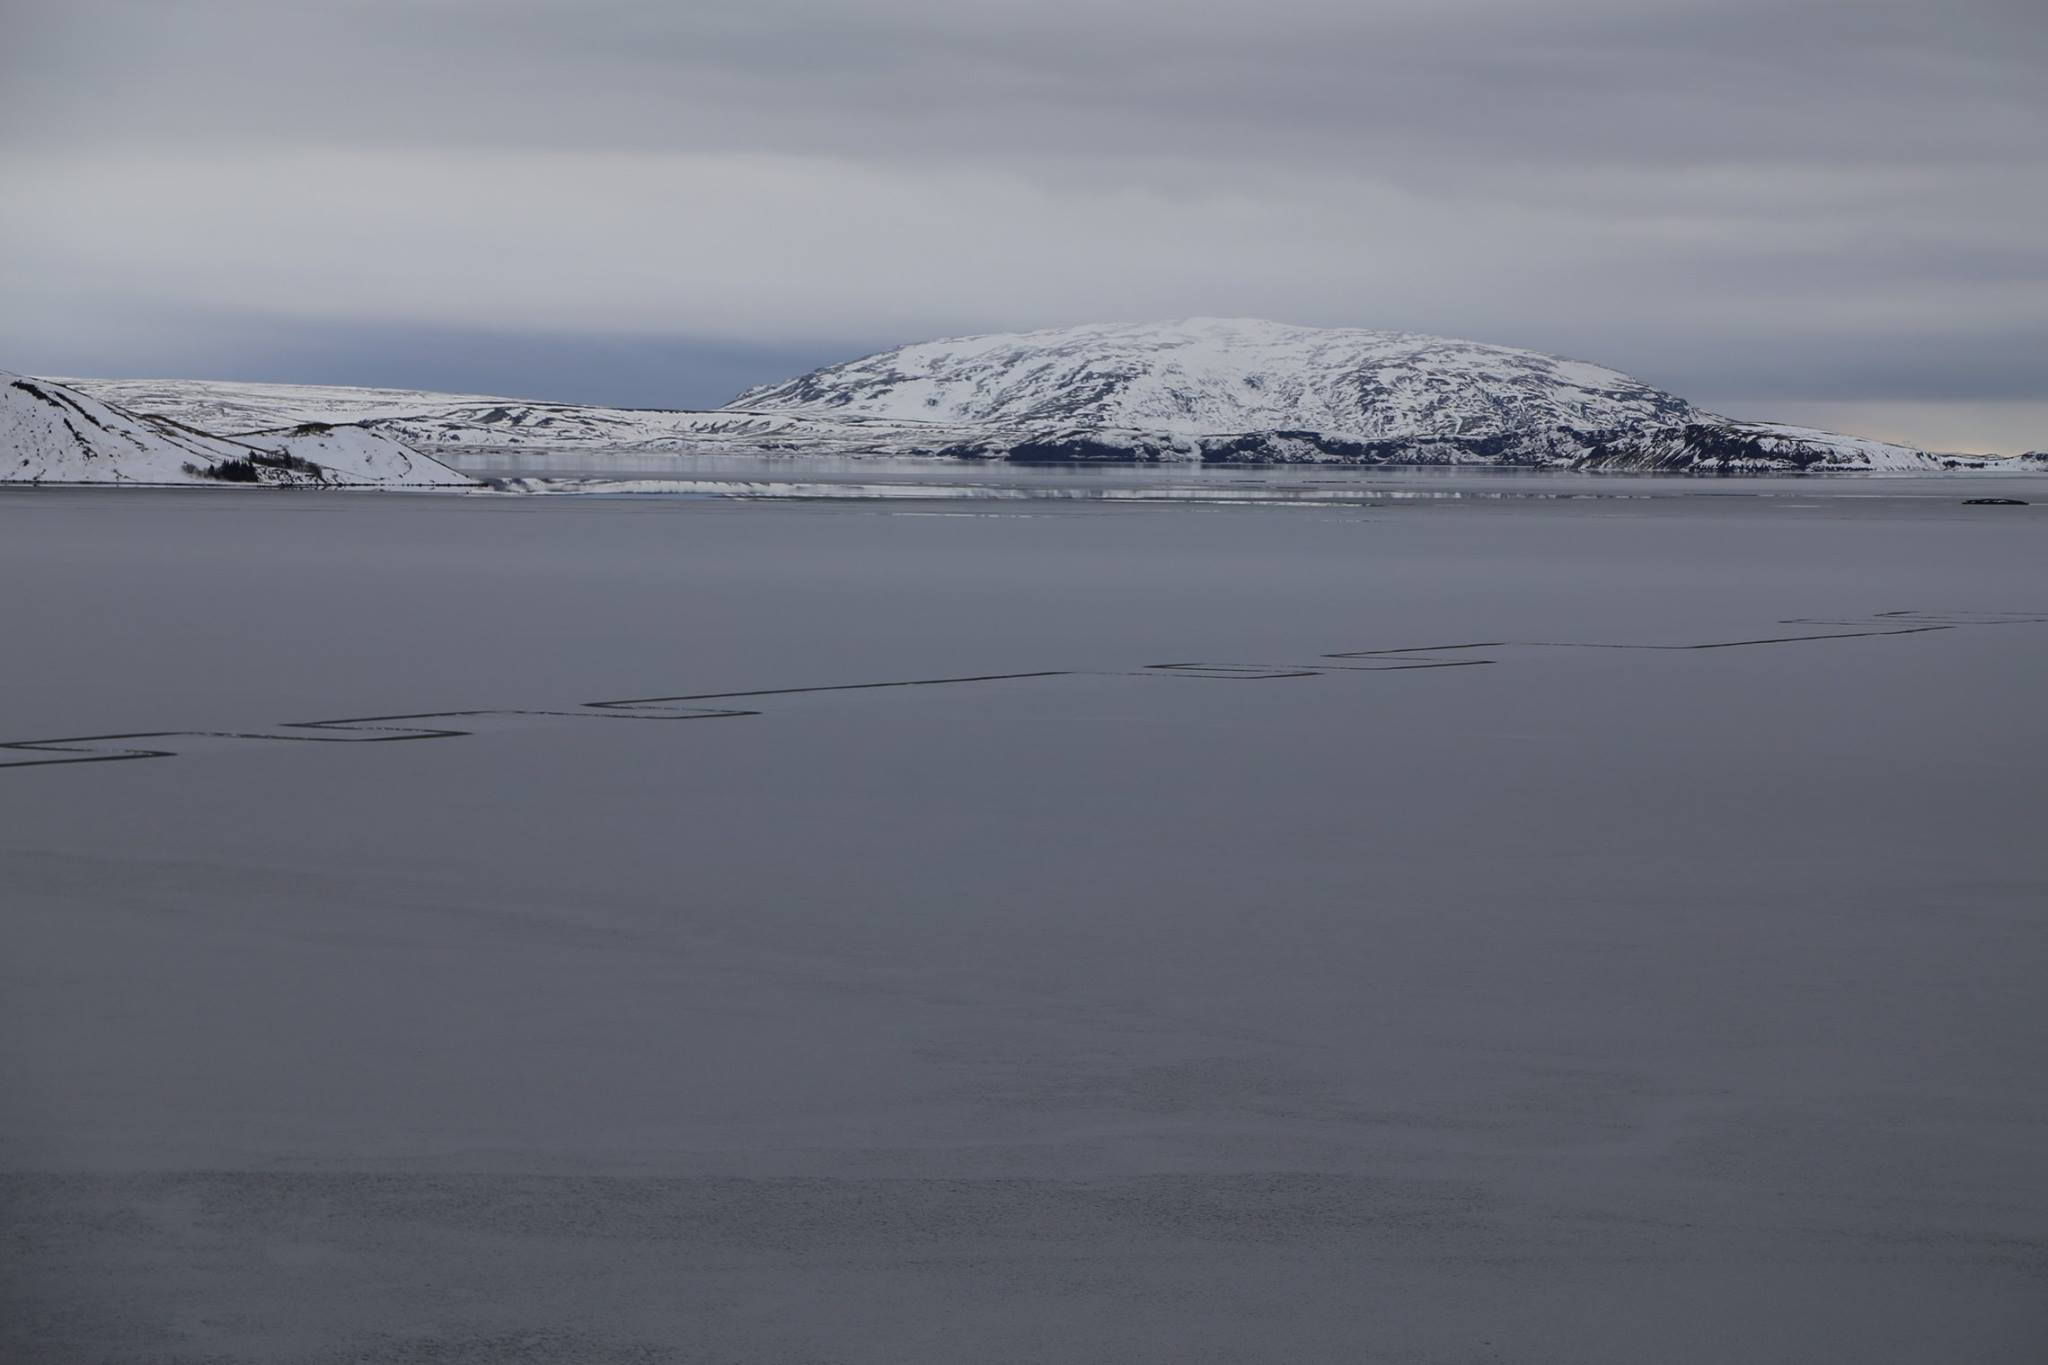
1212	376
1246	389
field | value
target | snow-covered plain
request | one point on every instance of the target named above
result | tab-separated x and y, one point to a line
1494	998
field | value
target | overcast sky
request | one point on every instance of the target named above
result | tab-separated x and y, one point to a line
1824	210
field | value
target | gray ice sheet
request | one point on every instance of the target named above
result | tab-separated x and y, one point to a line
1583	1004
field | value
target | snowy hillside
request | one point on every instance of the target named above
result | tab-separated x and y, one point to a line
52	433
353	454
1211	376
1725	445
232	408
1246	390
468	420
1205	390
49	433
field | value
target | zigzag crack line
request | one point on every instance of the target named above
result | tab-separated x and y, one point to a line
1416	649
1260	672
1951	618
2035	612
75	747
1250	669
1223	672
1714	644
1738	644
58	746
1403	665
630	708
354	726
845	687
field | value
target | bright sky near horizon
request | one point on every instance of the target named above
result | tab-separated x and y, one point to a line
1828	211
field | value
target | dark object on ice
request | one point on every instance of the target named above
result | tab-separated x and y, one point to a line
1995	502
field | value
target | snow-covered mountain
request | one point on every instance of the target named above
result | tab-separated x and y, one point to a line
1201	390
1214	376
53	433
1242	389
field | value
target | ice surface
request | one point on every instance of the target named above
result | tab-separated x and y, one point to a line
1309	1000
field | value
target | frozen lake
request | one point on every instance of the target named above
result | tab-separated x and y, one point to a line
1460	917
914	477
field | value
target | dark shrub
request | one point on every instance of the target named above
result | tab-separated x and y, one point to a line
232	471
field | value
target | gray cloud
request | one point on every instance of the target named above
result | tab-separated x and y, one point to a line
1815	202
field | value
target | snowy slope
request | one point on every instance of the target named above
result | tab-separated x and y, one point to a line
1202	390
1724	445
467	420
52	433
49	433
1240	389
230	408
358	455
1212	376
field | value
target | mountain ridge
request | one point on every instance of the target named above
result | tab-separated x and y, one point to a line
1245	390
1198	390
1221	376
